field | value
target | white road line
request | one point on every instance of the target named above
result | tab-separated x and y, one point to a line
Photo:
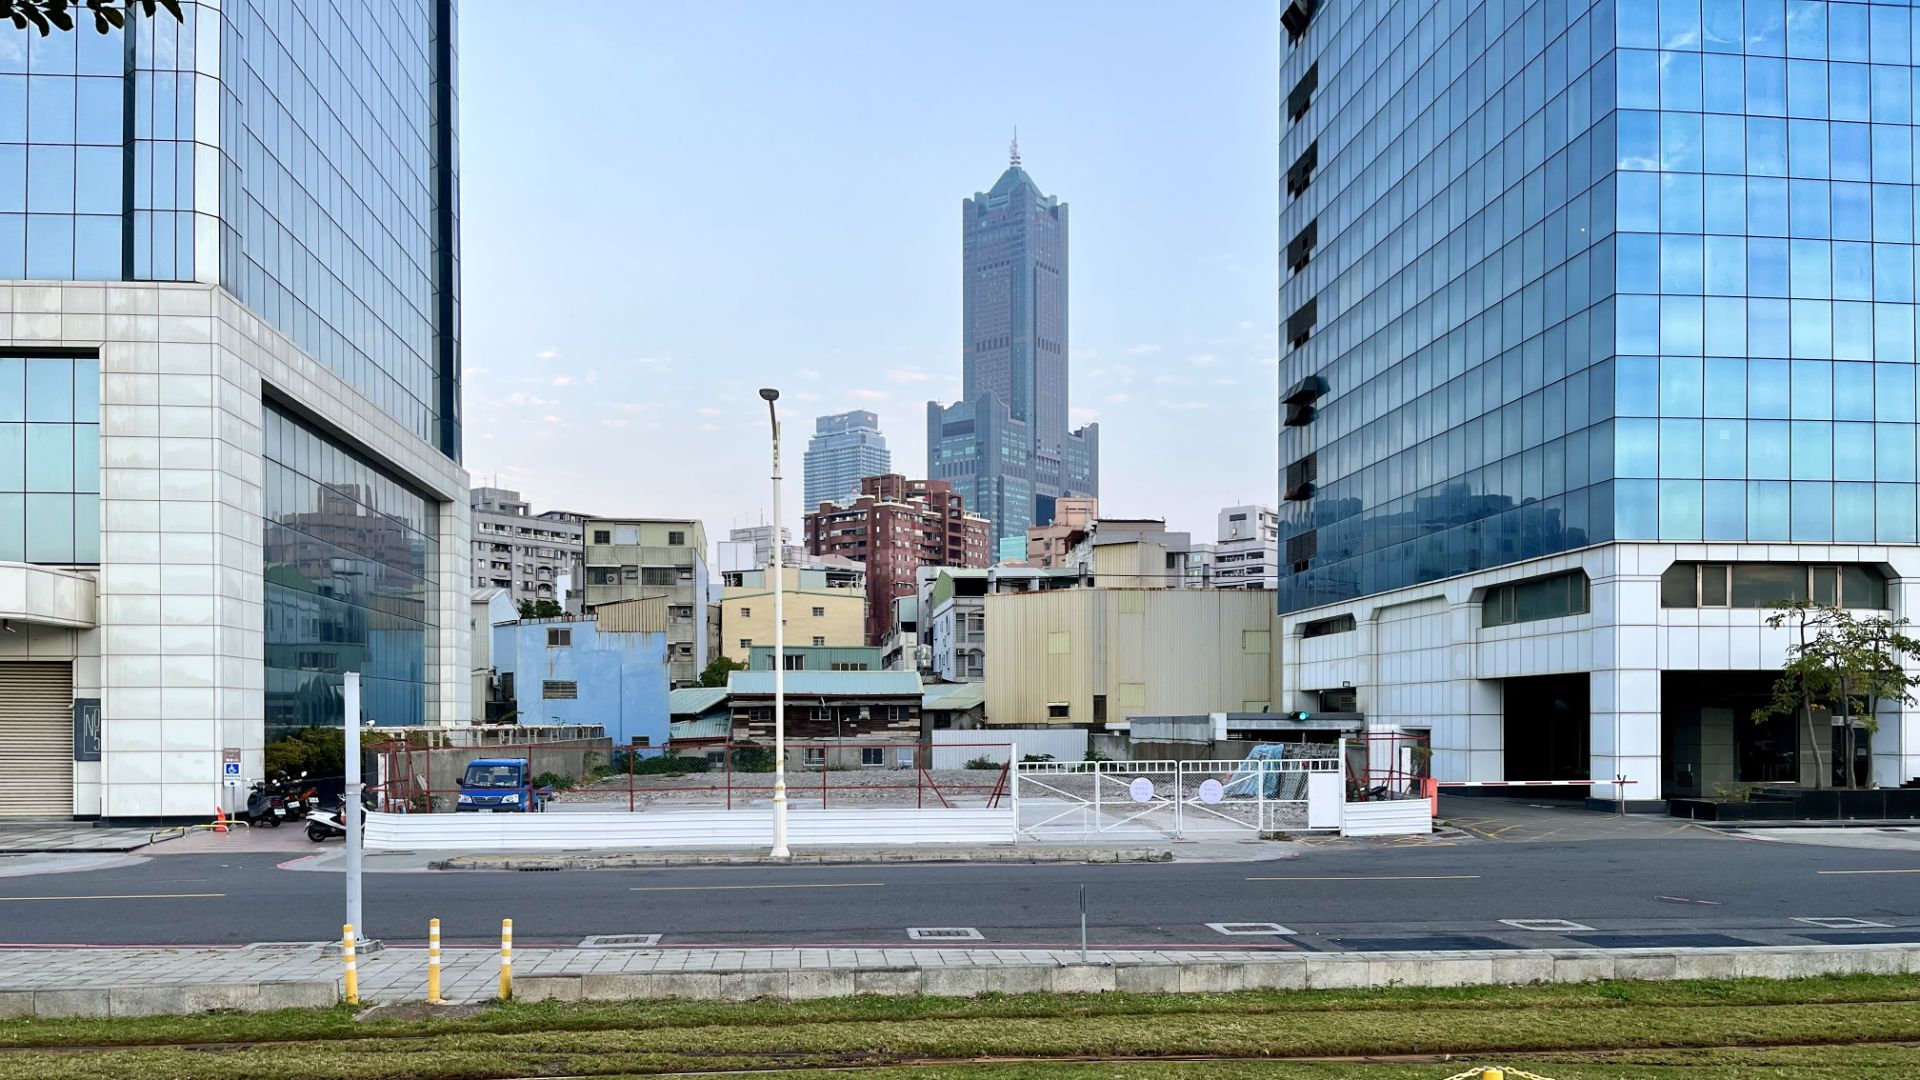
1841	922
1914	871
738	888
1373	877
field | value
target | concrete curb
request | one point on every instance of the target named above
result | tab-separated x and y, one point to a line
824	858
1265	971
52	1004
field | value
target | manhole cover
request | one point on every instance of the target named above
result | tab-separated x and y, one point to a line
1248	929
1548	926
943	933
620	941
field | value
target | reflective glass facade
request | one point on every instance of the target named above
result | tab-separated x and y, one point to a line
347	552
1635	270
318	182
49	459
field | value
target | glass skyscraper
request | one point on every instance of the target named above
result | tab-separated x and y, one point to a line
1584	277
230	361
845	448
1005	447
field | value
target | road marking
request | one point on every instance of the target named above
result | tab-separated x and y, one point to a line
1687	900
128	896
737	888
1248	929
1374	877
1916	871
1546	926
1842	923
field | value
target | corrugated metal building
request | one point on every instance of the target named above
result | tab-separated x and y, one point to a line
1093	656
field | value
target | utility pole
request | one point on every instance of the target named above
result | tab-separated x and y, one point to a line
770	395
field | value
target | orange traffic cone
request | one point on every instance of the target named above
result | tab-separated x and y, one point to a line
219	818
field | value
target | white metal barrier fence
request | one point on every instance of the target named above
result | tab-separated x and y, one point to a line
1155	800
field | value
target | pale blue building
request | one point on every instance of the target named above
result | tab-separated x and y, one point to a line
570	671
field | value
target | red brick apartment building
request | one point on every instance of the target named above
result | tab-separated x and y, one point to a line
896	526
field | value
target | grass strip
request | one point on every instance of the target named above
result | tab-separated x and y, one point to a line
339	1022
1504	1030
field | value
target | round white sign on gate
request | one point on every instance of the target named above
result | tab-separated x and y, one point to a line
1211	791
1141	790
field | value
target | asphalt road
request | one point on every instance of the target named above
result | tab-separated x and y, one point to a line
1704	890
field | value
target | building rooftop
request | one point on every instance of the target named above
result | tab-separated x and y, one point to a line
694	700
828	683
953	697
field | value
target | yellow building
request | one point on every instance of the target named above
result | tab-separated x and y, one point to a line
818	613
1093	656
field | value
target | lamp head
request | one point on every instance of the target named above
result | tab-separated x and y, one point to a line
769	394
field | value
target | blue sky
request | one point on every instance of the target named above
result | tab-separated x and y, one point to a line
666	211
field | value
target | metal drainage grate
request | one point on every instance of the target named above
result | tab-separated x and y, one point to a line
1248	929
1843	923
1547	926
620	941
263	945
943	933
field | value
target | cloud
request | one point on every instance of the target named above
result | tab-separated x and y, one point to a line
806	395
868	395
636	406
1082	354
1119	399
1170	380
658	363
1203	359
548	353
1246	324
518	398
1186	406
709	412
1080	417
910	375
563	380
551	419
807	373
614	422
1142	350
1226	382
472	371
1270	361
709	427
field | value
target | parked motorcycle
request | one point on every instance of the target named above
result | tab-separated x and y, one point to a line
266	804
323	825
302	798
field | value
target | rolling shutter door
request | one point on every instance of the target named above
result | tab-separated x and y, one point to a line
36	740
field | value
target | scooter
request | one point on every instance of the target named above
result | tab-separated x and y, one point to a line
266	805
302	798
323	825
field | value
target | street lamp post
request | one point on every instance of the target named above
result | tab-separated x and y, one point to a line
770	395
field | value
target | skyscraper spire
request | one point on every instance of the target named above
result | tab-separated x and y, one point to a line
1015	155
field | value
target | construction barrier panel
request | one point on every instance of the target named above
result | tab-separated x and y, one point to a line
688	829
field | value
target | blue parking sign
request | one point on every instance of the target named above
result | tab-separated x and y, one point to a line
233	768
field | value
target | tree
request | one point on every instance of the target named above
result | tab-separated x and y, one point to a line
47	16
1851	665
540	609
718	669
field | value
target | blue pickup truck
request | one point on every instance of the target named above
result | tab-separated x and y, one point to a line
501	786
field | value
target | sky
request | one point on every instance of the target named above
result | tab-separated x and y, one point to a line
664	211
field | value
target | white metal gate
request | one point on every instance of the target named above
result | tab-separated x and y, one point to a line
1157	800
36	739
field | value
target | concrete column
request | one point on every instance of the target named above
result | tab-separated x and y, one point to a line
1625	734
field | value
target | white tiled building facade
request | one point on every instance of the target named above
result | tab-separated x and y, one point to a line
173	648
1422	659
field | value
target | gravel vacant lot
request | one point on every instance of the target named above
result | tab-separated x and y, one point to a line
862	787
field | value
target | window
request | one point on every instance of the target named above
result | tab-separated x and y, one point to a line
1099	708
1771	585
790	661
819	613
602	536
1256	641
603	575
656	575
872	756
676	539
1339	624
819	642
559	690
816	756
746	613
746	643
559	639
820	713
1535	598
630	573
1057	710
